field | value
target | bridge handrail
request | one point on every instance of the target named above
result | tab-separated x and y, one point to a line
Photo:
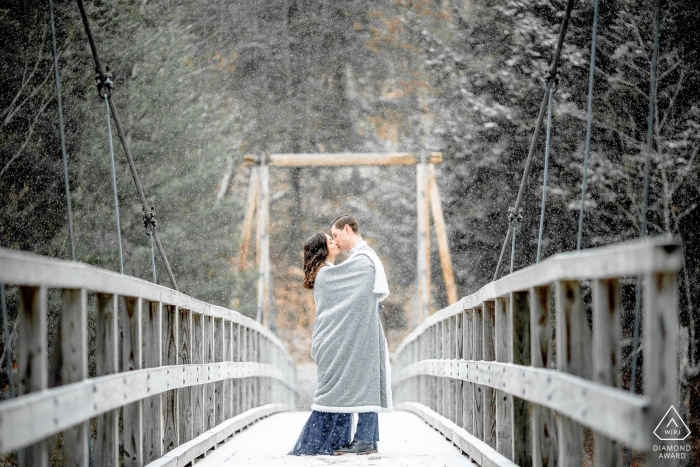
177	367
482	368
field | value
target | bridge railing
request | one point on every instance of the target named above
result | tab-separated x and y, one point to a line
174	376
512	373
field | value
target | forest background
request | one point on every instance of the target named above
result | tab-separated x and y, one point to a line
199	84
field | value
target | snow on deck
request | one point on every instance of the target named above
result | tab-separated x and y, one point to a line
406	441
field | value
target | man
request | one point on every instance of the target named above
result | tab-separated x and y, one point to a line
346	232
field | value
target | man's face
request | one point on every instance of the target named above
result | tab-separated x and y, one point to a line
342	237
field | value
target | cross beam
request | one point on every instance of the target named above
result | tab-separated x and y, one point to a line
342	159
428	199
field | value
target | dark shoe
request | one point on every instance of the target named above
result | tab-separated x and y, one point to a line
357	447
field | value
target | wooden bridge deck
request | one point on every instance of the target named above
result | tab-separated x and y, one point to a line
406	440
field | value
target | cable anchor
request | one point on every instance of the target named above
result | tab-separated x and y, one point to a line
104	83
515	220
548	81
149	221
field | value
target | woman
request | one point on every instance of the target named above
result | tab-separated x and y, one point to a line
348	346
324	432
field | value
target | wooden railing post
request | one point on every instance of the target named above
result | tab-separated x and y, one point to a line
227	357
504	401
186	395
445	382
477	354
153	405
544	441
219	351
469	355
132	434
236	357
606	356
520	327
661	353
171	412
489	355
106	451
573	356
74	368
459	355
209	396
33	371
198	359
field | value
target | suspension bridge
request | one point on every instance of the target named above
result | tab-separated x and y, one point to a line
526	371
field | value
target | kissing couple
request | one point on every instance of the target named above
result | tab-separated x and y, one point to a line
348	343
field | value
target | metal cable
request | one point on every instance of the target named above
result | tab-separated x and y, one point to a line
62	132
546	166
538	126
8	349
114	187
122	138
589	125
645	192
153	258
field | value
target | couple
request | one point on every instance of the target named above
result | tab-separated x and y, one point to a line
348	343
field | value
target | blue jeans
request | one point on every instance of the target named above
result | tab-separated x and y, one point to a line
367	427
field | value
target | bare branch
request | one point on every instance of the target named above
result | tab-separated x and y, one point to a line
26	81
30	132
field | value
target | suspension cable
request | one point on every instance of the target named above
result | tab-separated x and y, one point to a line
8	348
114	186
62	132
589	125
122	138
551	86
538	126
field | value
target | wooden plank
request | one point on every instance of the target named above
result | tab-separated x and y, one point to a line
477	354
489	355
106	451
34	270
131	332
573	357
219	343
544	441
614	412
661	354
441	235
198	358
477	450
342	159
171	435
209	394
423	242
453	396
153	405
520	349
249	219
79	402
620	260
186	395
606	357
73	341
445	382
32	352
504	401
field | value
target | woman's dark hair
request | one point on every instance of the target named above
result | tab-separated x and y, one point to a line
315	254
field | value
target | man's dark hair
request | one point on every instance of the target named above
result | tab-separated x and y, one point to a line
346	219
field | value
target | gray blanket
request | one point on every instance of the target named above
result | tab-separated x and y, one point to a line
348	343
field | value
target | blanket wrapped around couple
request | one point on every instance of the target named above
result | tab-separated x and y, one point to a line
348	343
